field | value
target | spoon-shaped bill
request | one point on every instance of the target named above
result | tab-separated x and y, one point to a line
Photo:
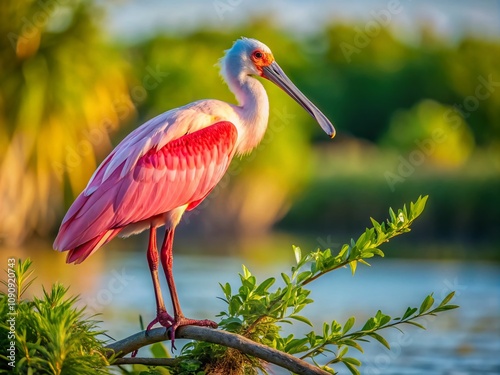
275	74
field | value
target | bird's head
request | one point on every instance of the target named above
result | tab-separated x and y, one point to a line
247	56
251	57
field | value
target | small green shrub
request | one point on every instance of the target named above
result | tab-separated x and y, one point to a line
52	336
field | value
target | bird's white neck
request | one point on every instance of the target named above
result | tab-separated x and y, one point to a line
253	110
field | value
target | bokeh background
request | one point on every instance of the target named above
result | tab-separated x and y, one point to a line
412	87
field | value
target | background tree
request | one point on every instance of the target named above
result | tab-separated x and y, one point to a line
60	84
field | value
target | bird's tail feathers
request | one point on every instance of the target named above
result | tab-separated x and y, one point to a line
83	251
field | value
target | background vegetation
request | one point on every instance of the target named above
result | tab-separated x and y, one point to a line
413	117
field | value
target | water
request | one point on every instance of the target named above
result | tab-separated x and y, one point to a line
117	285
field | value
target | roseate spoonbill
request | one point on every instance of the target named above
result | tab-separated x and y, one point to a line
171	163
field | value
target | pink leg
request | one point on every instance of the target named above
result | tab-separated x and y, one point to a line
162	316
167	262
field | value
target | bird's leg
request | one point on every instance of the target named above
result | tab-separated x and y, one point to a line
167	262
162	316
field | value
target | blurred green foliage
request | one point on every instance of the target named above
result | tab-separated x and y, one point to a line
65	88
389	74
445	144
59	81
464	207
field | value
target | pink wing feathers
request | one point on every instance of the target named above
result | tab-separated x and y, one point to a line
183	171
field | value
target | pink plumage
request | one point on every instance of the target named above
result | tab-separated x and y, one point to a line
195	162
171	163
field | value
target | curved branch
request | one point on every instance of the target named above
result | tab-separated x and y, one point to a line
146	361
224	338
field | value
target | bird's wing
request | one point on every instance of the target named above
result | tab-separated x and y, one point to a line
149	182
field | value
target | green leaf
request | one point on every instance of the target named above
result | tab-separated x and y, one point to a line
232	324
234	305
392	214
265	285
343	352
426	304
447	299
298	254
352	365
159	350
226	288
409	312
384	319
364	262
336	328
369	325
445	308
415	324
352	344
380	339
344	250
353	265
296	346
285	278
246	272
375	224
353	369
303	276
326	329
378	252
328	370
302	319
313	267
298	308
353	361
348	325
327	253
312	337
250	282
418	206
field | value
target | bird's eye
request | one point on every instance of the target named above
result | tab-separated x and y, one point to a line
258	55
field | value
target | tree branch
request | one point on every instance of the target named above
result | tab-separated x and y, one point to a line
224	338
146	361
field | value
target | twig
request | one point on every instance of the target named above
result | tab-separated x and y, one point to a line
227	339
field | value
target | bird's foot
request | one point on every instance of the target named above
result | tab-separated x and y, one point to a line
164	318
181	321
